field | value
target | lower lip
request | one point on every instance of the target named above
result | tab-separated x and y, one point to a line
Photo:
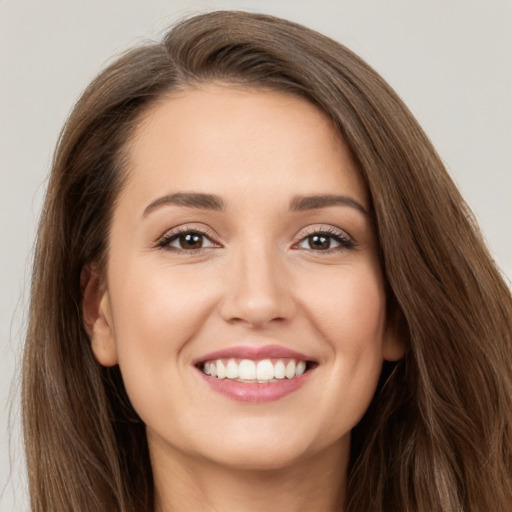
255	392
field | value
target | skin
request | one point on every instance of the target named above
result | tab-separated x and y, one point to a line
257	280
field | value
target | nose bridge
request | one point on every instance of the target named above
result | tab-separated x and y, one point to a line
257	291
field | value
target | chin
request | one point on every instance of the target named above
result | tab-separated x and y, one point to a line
270	451
257	458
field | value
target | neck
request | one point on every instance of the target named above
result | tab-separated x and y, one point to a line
314	483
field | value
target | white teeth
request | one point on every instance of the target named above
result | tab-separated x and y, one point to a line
221	370
254	371
232	369
265	370
247	370
290	370
279	370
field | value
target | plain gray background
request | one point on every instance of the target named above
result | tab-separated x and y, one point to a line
450	60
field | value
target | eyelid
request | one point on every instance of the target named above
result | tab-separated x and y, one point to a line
163	240
346	240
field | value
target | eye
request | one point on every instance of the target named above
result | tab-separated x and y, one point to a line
326	241
186	240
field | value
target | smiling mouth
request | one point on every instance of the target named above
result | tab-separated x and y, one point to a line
256	371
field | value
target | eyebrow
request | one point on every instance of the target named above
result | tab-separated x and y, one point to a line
188	199
314	202
213	202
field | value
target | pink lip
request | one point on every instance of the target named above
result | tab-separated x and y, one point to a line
254	392
255	353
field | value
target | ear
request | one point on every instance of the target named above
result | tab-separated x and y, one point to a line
97	316
393	346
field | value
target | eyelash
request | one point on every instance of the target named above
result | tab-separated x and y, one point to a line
345	241
168	238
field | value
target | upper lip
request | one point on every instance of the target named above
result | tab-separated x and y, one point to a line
255	353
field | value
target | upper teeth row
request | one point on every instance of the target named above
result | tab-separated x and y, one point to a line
248	370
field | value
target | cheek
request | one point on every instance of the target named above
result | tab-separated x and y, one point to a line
357	331
155	315
161	308
348	307
349	312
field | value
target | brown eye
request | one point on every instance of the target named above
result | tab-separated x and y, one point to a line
319	242
326	241
186	241
190	241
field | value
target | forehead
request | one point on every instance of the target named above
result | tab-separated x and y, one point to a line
223	138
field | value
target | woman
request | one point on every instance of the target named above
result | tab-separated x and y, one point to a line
266	292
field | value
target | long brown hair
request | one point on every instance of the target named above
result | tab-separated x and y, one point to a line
438	434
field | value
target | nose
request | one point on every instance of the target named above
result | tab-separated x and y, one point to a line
258	289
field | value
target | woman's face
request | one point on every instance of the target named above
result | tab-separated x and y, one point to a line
241	244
